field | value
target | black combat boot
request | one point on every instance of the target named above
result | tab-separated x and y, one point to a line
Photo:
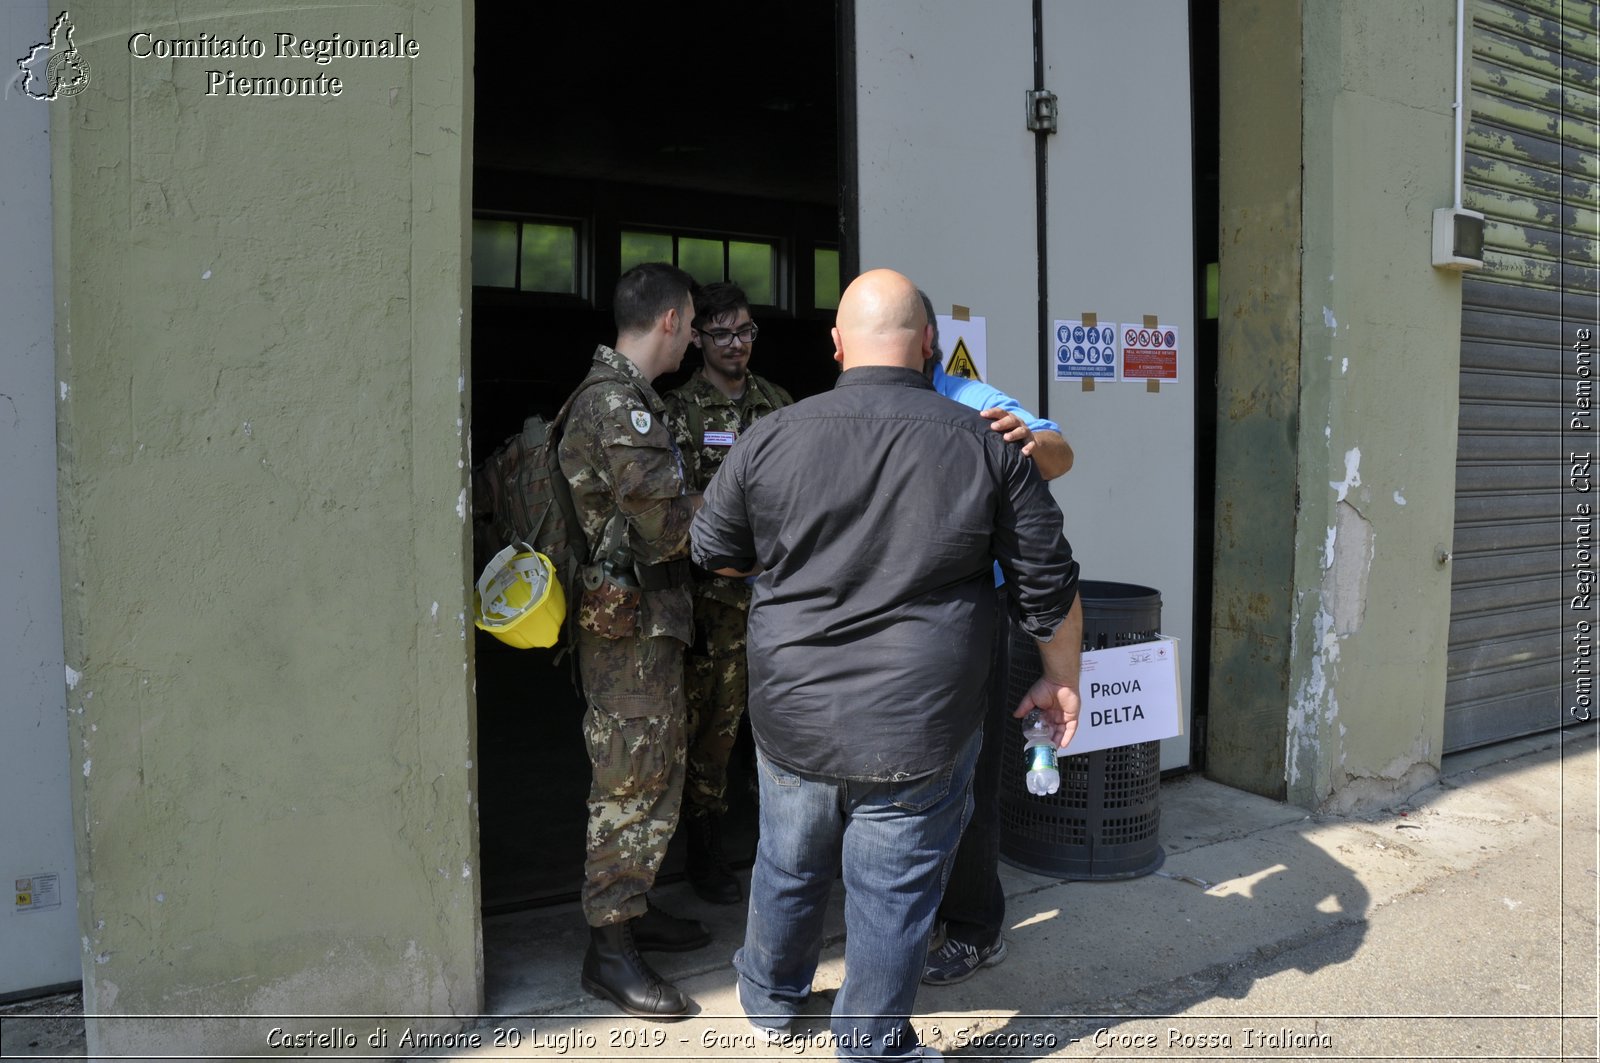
614	970
707	869
657	931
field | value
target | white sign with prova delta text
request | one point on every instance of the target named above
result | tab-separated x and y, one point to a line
1129	694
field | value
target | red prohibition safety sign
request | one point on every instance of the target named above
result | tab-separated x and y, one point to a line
1149	353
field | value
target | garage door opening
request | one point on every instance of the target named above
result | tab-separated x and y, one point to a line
602	140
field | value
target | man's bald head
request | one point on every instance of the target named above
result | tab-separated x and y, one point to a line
881	322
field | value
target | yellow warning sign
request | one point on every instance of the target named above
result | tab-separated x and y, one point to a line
961	363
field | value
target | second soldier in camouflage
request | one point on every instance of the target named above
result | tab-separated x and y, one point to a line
707	414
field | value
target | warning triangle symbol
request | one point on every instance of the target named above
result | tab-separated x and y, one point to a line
961	363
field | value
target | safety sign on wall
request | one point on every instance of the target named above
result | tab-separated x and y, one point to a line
38	893
1085	351
965	343
1149	352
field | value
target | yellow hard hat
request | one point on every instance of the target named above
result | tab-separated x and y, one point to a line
519	600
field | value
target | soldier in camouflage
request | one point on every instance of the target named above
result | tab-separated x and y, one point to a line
707	414
634	620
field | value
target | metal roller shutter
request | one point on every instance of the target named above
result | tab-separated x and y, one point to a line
1530	167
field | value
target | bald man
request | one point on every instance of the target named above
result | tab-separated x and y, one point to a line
873	513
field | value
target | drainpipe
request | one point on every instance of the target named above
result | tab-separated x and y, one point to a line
1457	108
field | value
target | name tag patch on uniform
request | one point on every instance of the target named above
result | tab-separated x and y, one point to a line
718	439
641	420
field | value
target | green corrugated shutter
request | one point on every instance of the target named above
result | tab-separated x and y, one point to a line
1530	167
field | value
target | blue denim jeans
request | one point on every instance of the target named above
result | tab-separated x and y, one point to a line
895	841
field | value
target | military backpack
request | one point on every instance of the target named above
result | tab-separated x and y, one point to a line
520	495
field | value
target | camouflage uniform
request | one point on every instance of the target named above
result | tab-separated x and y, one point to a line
628	487
705	422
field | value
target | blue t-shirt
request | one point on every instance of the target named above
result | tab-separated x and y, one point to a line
981	396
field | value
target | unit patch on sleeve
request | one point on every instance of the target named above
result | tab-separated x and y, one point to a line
641	421
717	439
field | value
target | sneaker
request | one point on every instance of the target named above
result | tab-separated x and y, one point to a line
771	1036
955	961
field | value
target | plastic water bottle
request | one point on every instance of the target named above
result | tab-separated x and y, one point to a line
1039	754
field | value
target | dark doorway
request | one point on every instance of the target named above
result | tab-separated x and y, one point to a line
603	136
1205	94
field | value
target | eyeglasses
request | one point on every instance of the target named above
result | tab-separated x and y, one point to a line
723	337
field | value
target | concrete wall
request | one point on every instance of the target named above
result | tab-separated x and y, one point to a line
261	342
38	937
1258	392
1373	438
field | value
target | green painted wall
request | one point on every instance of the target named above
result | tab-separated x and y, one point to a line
261	356
1258	392
1375	431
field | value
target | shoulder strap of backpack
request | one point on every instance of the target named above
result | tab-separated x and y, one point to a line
697	424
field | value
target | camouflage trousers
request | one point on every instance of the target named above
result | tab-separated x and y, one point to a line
717	684
634	730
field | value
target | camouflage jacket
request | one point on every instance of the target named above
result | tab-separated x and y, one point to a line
705	423
620	460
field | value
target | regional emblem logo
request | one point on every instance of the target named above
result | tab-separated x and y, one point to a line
641	421
54	68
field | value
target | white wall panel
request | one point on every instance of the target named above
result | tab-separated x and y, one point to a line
1121	223
39	944
947	192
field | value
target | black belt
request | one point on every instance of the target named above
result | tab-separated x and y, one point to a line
663	576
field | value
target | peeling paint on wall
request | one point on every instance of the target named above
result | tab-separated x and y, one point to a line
1352	474
1314	701
1345	583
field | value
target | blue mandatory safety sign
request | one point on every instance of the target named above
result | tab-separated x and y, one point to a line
1094	335
1063	355
1064	333
1077	354
1077	334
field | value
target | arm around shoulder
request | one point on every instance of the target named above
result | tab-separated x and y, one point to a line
1051	453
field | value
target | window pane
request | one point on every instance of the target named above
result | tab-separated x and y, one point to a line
549	258
645	247
494	253
825	278
701	259
753	267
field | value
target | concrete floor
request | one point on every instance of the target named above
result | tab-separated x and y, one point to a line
1457	924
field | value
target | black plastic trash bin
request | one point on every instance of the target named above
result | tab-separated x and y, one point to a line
1102	823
